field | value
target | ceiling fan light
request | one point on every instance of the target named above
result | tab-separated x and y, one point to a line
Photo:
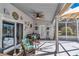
37	17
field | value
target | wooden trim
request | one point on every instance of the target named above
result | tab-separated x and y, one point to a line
65	8
69	15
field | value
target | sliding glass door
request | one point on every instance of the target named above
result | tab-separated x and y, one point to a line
8	34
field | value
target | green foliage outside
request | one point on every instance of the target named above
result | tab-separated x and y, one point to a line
69	31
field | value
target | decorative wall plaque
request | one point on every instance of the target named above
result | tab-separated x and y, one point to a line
30	25
21	17
15	15
6	11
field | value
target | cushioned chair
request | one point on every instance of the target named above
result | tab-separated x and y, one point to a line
35	39
27	45
28	48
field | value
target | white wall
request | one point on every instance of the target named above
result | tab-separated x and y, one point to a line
44	25
11	9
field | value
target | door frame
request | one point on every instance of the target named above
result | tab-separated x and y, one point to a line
17	30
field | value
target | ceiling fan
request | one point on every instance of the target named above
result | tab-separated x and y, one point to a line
35	14
38	15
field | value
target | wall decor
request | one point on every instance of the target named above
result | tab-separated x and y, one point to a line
21	17
30	25
15	15
26	25
47	28
5	11
36	27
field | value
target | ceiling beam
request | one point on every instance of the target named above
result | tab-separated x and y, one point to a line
67	5
60	10
59	6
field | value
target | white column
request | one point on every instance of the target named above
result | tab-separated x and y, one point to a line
77	28
57	44
15	41
66	28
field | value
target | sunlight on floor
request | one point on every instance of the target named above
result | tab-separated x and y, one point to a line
48	48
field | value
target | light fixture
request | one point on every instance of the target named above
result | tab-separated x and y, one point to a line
73	15
37	17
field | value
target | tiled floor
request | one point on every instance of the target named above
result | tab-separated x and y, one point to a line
48	48
71	47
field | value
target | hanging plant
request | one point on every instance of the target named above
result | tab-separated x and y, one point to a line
15	15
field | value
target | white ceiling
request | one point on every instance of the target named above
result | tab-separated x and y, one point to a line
47	9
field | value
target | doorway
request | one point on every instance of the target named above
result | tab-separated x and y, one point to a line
19	32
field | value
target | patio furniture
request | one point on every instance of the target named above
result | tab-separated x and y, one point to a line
27	46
